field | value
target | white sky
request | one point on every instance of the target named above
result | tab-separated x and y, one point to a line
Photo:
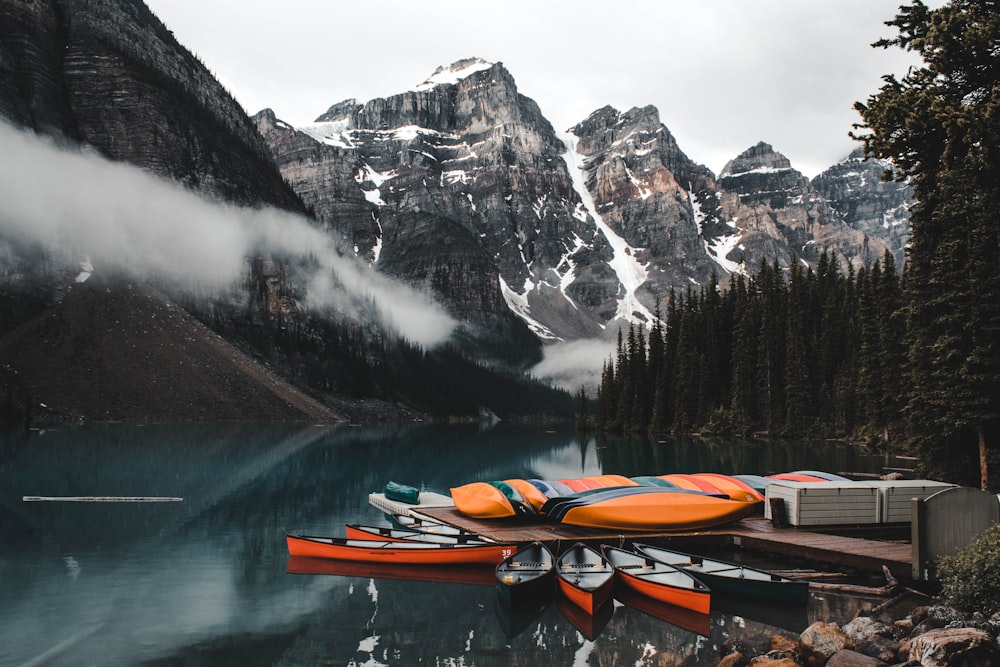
724	74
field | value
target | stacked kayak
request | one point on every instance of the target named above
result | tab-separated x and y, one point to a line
614	502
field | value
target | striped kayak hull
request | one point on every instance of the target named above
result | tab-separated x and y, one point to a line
657	509
403	553
658	580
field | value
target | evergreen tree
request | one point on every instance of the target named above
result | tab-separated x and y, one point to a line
940	125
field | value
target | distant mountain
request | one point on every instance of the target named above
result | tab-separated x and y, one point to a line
460	188
582	230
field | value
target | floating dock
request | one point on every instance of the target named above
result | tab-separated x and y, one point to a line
754	533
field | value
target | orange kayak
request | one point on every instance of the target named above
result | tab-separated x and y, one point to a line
409	553
736	488
692	483
666	510
658	580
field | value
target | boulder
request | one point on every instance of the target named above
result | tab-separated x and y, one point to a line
734	660
885	649
865	627
782	643
849	658
955	647
820	641
768	661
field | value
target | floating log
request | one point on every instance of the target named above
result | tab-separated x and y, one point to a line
101	499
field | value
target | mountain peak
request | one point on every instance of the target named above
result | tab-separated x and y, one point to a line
759	157
455	72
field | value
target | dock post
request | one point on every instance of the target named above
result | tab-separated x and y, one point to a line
779	519
916	538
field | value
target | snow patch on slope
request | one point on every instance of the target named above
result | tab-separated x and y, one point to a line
631	274
518	303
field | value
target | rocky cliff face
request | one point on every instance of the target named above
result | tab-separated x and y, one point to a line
458	186
109	74
776	213
461	185
855	190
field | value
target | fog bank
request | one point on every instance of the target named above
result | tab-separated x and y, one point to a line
116	215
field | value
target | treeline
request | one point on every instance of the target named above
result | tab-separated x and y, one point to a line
788	352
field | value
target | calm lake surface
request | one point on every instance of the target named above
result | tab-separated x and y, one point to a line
205	581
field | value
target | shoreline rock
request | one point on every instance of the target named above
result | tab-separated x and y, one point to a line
931	636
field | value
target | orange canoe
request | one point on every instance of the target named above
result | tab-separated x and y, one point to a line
666	510
658	580
409	553
585	577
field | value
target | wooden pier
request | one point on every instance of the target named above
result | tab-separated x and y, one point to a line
754	533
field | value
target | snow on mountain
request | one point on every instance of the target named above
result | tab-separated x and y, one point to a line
454	72
631	273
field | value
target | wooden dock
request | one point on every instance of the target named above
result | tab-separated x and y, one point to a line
754	533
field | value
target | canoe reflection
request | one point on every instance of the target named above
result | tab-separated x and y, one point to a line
588	625
450	574
686	619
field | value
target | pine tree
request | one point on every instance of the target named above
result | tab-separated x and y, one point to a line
940	125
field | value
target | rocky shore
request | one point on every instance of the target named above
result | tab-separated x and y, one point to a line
929	637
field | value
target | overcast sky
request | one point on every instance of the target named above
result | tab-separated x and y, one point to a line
724	74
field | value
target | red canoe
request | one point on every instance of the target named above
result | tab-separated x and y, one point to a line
409	553
658	580
585	577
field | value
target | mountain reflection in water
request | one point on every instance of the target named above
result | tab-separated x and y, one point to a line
209	581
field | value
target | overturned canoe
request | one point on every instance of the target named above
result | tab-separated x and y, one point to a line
658	580
732	578
736	488
410	553
656	509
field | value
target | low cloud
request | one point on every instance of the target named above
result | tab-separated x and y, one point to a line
575	364
76	203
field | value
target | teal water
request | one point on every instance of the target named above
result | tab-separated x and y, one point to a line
204	581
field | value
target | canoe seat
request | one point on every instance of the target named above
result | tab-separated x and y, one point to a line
526	563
